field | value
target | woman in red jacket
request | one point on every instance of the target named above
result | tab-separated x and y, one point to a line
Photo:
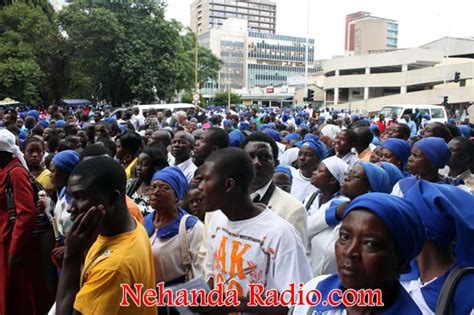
16	225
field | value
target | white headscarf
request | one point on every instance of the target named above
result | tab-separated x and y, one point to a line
289	156
8	144
337	167
330	131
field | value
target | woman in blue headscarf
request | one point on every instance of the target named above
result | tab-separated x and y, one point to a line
447	216
169	186
396	151
363	178
311	153
379	236
427	156
61	167
394	173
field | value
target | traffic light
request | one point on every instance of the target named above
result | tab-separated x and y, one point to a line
310	97
445	101
457	76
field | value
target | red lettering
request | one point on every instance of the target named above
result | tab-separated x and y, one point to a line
370	297
309	297
149	297
331	300
164	296
255	291
198	297
128	292
215	296
349	298
231	298
181	298
291	292
272	298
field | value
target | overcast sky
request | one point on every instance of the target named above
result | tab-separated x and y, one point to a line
420	21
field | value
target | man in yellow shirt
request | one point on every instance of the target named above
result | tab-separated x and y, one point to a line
104	233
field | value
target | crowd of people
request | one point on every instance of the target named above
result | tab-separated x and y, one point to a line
320	198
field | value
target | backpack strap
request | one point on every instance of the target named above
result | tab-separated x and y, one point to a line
311	200
184	248
443	306
10	198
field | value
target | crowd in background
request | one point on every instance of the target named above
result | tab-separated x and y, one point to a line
238	195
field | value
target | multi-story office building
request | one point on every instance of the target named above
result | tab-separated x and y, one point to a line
272	58
253	59
402	76
366	33
208	14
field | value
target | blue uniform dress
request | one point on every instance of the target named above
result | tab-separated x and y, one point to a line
403	304
426	296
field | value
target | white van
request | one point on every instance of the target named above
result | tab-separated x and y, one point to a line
436	112
159	107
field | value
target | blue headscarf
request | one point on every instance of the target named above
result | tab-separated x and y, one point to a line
66	160
44	123
452	121
310	136
293	136
378	177
401	219
447	215
228	123
465	131
394	173
275	135
244	125
60	123
236	138
283	169
400	148
318	147
436	150
33	113
271	125
173	177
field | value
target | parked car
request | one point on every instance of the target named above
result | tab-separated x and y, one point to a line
436	112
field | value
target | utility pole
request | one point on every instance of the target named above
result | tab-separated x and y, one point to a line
446	61
196	65
228	95
306	50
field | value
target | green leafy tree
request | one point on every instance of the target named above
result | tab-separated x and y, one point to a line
31	58
208	64
126	50
221	98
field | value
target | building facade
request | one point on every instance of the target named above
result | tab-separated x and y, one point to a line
209	14
365	33
404	76
251	59
272	58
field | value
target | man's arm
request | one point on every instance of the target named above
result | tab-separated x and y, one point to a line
83	233
68	285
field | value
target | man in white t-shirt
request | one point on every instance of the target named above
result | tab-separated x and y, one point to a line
247	242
